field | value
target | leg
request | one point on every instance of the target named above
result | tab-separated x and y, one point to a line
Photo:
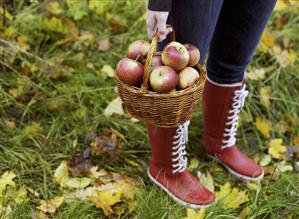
167	167
194	22
237	34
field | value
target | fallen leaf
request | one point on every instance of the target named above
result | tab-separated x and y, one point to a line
11	123
56	25
34	129
266	159
284	167
280	127
256	74
108	70
263	126
193	214
7	180
231	197
252	185
280	5
292	151
76	182
54	7
296	140
207	180
104	44
95	172
21	195
79	166
244	213
61	176
22	42
114	107
52	205
6	13
193	164
276	149
267	42
265	95
39	215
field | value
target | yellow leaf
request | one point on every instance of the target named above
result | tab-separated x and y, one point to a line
107	198
193	164
39	215
5	13
10	32
33	129
267	42
98	6
52	205
21	195
108	70
244	213
292	56
263	126
61	173
56	25
193	214
61	176
276	148
266	159
284	167
296	140
265	93
256	74
76	182
114	107
280	5
252	186
22	43
231	197
54	7
7	180
95	172
207	180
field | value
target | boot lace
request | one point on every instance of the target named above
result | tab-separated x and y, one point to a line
178	149
232	121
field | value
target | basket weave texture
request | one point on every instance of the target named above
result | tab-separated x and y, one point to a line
163	110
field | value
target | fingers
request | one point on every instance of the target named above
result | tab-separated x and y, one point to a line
156	21
161	25
151	24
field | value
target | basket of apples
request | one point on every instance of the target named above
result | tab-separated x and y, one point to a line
161	88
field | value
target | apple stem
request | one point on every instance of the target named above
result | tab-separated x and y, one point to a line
137	58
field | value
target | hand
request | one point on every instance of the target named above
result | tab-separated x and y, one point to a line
156	21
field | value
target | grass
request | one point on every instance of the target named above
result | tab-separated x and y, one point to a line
66	93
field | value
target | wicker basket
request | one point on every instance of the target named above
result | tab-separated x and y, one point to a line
163	110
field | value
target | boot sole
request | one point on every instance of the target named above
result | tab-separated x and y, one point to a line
186	204
238	175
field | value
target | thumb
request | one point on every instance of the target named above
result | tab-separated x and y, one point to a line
161	26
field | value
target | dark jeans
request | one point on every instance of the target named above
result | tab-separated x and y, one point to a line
231	29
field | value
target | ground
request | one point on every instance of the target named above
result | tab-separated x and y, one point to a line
57	79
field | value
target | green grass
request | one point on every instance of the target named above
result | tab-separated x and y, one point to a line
69	107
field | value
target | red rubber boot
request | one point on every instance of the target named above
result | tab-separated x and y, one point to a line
222	105
167	167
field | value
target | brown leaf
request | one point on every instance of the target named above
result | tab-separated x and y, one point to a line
104	44
79	166
106	143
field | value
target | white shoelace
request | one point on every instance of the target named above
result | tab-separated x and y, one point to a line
232	121
178	149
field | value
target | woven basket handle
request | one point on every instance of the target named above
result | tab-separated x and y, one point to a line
147	65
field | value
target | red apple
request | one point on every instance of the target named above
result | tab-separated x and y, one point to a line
194	54
129	71
175	55
156	62
138	49
163	79
187	77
